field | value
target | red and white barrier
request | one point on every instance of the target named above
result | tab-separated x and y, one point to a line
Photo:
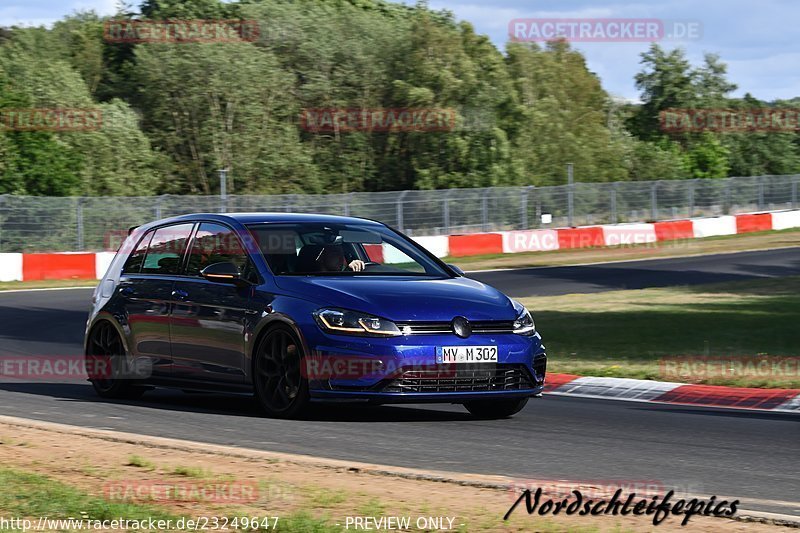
714	227
619	234
25	267
10	267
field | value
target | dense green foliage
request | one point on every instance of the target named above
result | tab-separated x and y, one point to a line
175	113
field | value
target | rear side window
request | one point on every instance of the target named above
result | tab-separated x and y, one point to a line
134	263
215	243
166	249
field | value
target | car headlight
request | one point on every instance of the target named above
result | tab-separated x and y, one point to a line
523	325
344	322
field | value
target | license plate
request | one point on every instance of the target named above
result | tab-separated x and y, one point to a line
466	354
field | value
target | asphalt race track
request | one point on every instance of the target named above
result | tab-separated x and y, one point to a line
545	281
743	454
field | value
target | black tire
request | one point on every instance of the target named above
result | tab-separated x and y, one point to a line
278	382
490	409
106	351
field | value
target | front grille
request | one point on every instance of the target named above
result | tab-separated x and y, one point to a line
462	378
478	327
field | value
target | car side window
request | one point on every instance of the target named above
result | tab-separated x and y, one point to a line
215	243
166	250
133	265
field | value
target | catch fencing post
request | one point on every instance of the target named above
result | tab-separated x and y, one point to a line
347	200
794	192
79	225
485	209
654	201
223	193
726	209
761	193
524	207
692	184
400	211
570	194
158	206
614	203
446	211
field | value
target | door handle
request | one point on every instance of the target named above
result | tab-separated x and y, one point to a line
178	294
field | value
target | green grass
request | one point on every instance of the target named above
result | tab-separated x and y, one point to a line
192	471
140	462
627	333
47	284
28	495
33	495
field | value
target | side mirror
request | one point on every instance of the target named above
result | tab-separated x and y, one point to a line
456	269
223	273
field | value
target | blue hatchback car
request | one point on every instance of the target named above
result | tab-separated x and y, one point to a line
296	308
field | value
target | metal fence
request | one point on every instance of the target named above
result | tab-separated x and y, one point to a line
32	223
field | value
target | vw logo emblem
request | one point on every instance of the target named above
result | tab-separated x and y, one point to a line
461	327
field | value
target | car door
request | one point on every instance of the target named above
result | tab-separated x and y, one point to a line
145	290
207	326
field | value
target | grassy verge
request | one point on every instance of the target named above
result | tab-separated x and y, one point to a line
628	333
46	284
708	245
30	496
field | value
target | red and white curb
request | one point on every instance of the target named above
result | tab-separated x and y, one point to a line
641	390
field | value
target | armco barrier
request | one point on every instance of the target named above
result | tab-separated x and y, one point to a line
713	227
59	266
438	245
674	230
537	240
102	262
627	234
10	267
476	244
786	219
751	223
25	267
581	237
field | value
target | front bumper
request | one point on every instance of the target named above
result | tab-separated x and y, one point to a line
404	369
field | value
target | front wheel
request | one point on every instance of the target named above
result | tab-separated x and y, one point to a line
280	387
495	408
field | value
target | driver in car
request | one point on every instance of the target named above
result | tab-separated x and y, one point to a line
331	259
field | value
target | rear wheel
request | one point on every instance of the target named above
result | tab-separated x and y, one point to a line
495	408
106	363
280	387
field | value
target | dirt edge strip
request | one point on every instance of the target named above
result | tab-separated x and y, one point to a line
470	480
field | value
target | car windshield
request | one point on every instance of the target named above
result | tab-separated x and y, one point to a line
321	249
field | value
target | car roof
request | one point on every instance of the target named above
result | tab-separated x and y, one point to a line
257	218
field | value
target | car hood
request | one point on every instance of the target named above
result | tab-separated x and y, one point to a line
404	298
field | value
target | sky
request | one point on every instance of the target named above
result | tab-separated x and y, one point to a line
756	39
